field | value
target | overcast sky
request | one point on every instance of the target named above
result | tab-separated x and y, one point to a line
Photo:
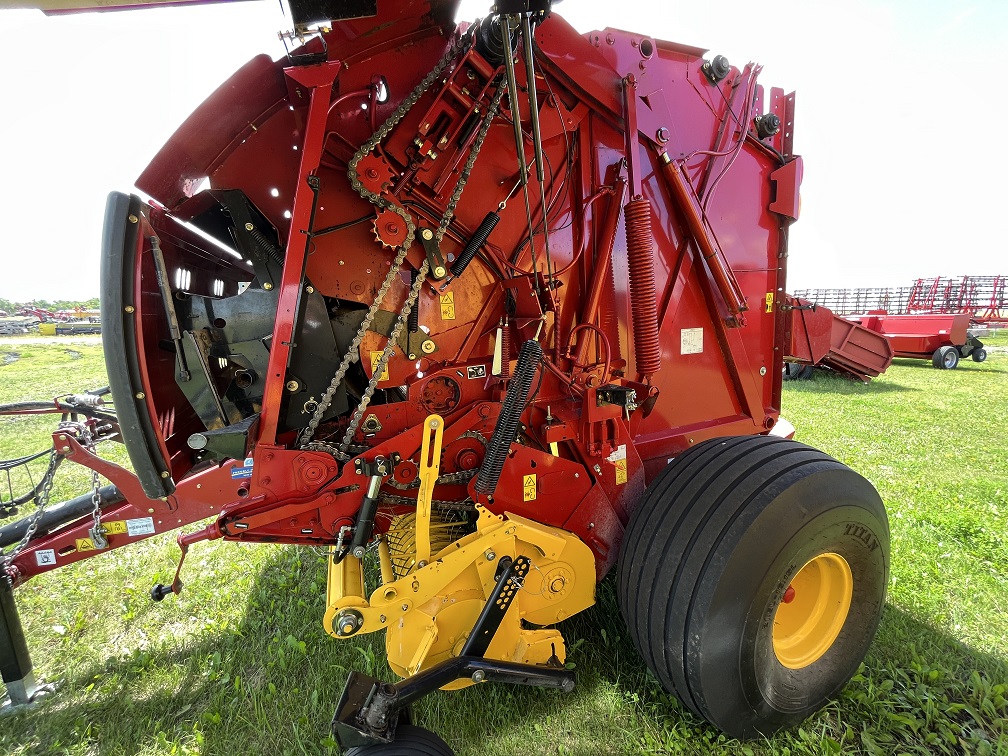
900	116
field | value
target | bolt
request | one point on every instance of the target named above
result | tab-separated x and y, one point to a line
405	607
292	385
663	135
427	234
267	286
428	346
434	423
249	226
128	308
141	395
381	618
359	552
491	555
62	437
310	289
421	564
479	676
165	474
557	585
133	219
762	371
439	271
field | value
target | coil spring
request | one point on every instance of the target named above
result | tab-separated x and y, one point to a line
266	247
413	321
640	260
479	237
505	372
507	423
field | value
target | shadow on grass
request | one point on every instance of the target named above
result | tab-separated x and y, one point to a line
270	685
829	382
965	365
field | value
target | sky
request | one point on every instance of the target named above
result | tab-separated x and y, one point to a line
899	116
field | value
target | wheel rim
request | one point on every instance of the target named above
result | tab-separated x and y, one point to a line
950	360
813	610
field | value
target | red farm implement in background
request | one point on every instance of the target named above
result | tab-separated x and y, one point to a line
503	304
820	338
943	339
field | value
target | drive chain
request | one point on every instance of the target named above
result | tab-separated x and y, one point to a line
353	353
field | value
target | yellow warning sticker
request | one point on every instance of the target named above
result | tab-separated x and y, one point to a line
375	359
621	474
529	484
85	544
114	527
769	301
448	306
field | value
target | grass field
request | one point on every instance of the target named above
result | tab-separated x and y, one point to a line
240	664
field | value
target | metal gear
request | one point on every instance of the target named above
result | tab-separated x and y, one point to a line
389	228
374	173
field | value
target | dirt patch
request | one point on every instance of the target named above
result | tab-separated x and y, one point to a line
10	357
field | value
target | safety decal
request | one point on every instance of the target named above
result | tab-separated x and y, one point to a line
621	471
476	371
85	544
691	341
448	306
140	526
529	485
45	557
769	301
375	359
113	527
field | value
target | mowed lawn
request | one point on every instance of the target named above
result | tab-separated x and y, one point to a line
240	664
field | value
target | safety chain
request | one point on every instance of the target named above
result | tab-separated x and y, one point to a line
41	502
353	353
97	532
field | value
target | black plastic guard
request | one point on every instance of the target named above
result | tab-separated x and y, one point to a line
123	219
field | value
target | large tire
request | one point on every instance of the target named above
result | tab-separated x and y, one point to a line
796	371
409	741
979	354
945	358
709	556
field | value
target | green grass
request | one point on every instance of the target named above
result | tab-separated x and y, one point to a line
239	663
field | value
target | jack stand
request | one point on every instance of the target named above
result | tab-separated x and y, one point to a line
159	591
15	662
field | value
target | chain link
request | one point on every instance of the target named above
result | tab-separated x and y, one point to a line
41	502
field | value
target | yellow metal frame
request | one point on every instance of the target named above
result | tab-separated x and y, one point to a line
429	612
808	622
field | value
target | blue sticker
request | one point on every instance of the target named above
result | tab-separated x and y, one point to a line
248	461
241	472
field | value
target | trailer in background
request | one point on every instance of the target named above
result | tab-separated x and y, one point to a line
942	338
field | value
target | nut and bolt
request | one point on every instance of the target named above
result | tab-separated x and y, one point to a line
557	585
405	607
129	308
133	219
663	135
439	271
479	676
249	226
267	286
359	552
141	395
427	234
428	346
491	555
293	385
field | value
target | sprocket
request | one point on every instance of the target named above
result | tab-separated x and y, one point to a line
374	173
390	229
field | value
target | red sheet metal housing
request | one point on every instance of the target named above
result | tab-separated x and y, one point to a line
721	205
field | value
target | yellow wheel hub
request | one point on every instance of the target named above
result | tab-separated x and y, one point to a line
813	611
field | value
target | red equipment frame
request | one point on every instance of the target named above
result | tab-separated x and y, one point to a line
704	356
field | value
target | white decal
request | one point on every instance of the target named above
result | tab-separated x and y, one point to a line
140	526
691	341
45	557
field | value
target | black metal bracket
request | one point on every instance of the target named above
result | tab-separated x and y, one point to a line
369	709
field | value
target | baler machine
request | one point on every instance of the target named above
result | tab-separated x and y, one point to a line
500	304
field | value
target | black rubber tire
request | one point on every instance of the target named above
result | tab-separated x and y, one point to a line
979	354
410	741
796	371
707	556
945	358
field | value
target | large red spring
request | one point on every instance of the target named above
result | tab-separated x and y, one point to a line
505	372
640	260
